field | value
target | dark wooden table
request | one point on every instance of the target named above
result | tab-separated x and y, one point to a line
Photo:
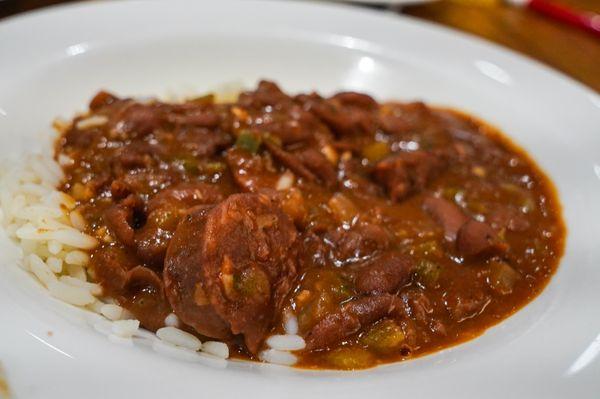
568	49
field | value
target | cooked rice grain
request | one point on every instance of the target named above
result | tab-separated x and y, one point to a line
49	231
278	357
286	342
216	348
179	337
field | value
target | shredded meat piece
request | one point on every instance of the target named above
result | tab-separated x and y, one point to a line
361	240
291	161
462	306
251	172
407	173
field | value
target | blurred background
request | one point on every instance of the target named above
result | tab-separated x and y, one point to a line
564	34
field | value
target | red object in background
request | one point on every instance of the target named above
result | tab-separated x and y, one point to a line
586	20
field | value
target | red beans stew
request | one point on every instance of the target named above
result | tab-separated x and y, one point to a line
389	230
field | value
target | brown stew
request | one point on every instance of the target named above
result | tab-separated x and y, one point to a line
389	230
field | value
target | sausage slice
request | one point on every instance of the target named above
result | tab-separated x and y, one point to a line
238	260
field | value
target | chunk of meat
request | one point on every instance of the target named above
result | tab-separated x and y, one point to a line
350	319
347	114
266	93
149	231
197	116
478	238
102	99
140	182
354	178
291	161
317	163
135	155
289	122
384	274
251	172
201	142
271	112
121	218
401	118
138	120
361	240
245	253
307	163
417	305
110	265
465	305
447	214
407	173
164	212
144	296
359	100
136	288
183	281
186	195
81	138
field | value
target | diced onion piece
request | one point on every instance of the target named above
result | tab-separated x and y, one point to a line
330	153
342	207
285	181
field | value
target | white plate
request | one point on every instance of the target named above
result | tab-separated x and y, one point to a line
52	61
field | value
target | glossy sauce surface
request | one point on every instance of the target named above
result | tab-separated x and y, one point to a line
390	230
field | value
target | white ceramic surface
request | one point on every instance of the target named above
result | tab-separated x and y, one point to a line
51	63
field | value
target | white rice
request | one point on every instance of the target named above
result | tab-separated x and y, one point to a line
55	249
275	356
216	348
125	328
91	121
179	337
48	230
290	323
111	311
116	339
286	342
